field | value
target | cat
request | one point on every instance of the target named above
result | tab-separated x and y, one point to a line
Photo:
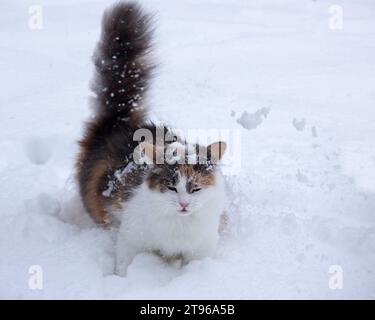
173	209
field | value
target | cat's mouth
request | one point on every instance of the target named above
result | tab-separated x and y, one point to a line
184	212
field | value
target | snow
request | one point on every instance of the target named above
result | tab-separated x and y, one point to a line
299	124
252	120
303	203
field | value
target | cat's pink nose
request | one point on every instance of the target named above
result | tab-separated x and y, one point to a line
184	206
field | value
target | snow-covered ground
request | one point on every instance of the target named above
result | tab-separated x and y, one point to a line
303	204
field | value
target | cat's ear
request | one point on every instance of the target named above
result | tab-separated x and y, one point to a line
216	151
152	153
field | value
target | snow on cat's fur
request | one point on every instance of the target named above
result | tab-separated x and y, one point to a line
173	209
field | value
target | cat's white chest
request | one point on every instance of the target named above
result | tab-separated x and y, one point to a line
151	221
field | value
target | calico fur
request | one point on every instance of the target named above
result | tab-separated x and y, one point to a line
122	73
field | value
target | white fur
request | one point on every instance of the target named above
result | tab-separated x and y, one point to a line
152	221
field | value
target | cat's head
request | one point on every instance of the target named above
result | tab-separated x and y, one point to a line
186	186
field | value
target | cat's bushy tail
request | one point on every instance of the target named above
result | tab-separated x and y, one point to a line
122	63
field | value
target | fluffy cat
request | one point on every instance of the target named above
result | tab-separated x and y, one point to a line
173	209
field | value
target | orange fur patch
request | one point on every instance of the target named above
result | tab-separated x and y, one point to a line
194	175
93	197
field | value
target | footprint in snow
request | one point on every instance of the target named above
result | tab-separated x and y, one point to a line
299	124
49	204
39	150
251	121
45	204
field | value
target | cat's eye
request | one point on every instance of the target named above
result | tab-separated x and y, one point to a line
172	189
196	190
